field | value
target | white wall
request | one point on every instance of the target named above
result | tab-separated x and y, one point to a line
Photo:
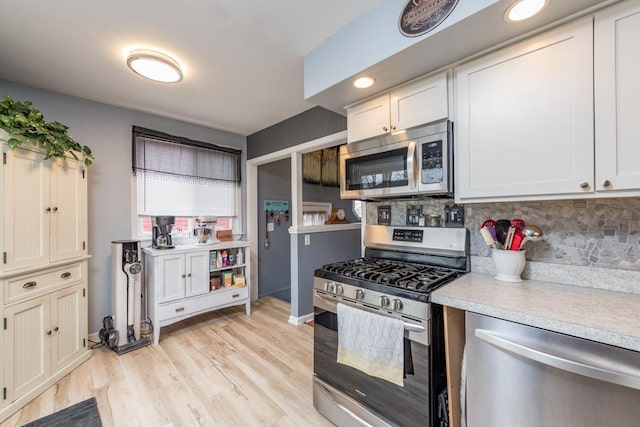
107	131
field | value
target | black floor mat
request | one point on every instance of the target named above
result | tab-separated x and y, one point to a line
83	414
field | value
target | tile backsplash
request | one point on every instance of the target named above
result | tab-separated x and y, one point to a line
601	233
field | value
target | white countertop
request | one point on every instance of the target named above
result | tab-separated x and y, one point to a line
195	247
599	315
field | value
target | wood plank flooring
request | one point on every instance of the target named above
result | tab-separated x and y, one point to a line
218	369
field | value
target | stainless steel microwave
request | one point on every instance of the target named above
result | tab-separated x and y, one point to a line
416	162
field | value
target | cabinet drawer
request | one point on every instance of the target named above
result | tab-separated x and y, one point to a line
200	304
28	285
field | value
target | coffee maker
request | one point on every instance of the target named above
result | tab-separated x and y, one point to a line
162	226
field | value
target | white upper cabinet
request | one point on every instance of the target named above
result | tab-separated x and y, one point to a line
411	105
524	120
617	91
47	222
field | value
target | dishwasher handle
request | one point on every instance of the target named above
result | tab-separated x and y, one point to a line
587	370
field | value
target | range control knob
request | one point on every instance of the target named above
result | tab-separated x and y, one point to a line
358	294
328	286
383	301
397	304
338	289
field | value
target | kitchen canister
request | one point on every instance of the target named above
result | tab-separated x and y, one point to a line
509	264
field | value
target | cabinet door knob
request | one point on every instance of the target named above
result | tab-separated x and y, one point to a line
48	210
184	275
189	275
584	184
55	209
393	128
48	332
56	329
384	128
606	183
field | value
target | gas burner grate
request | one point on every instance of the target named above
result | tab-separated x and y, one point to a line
399	274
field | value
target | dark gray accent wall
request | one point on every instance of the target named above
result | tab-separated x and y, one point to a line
307	126
325	248
274	271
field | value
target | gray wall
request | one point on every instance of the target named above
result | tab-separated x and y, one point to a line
602	233
274	271
307	126
325	248
107	131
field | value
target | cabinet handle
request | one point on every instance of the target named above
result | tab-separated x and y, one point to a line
179	309
56	329
189	275
235	295
606	183
48	210
393	128
65	275
29	285
584	184
48	332
55	209
184	275
384	128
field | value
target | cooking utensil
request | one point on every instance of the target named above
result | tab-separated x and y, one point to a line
490	225
517	240
502	228
531	233
488	238
517	223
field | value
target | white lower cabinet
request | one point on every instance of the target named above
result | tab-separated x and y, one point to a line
44	335
179	283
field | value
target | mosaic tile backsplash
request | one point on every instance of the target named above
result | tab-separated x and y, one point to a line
600	233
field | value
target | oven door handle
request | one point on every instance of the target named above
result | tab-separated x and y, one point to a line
410	327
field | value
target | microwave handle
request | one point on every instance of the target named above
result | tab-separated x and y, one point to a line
411	165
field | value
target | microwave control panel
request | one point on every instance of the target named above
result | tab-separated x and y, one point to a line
432	171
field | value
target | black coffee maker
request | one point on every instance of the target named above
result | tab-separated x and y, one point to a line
162	226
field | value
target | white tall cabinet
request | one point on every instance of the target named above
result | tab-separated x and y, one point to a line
43	303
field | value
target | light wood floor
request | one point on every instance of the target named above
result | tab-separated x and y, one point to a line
217	369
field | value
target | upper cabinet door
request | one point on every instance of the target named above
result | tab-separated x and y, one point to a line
368	119
26	209
617	90
422	102
524	122
69	210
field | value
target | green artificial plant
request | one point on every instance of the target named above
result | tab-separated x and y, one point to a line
24	122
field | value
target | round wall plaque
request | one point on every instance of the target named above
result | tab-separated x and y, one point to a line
421	16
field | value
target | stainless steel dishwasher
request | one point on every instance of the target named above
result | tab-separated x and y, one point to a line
520	376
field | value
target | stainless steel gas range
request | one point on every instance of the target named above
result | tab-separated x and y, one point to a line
401	267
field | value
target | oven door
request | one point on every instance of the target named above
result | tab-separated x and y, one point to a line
408	405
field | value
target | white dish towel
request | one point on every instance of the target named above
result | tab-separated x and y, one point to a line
372	343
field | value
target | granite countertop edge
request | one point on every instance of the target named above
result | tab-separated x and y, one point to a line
594	314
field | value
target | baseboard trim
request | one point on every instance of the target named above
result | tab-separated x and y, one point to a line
300	320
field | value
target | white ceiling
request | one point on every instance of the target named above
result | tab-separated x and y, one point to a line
242	61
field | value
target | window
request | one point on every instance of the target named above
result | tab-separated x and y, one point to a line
184	178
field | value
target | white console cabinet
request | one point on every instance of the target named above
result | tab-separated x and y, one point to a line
43	301
179	282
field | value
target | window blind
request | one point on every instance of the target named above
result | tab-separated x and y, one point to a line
181	177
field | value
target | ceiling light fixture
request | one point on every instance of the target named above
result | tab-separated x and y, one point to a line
364	82
154	65
523	9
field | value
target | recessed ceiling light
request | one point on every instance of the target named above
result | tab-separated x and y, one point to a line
523	9
364	82
154	65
